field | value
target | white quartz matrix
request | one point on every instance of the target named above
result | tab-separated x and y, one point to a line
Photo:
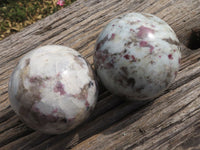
53	89
137	56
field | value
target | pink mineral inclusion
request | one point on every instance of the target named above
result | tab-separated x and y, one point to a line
60	2
146	44
144	32
143	44
35	79
112	37
59	88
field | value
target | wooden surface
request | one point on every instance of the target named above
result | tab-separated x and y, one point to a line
172	121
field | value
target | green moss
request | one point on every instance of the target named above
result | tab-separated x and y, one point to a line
15	15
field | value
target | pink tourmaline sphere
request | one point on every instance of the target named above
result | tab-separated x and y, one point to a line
53	89
137	56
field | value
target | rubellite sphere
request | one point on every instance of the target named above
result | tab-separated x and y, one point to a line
53	89
137	56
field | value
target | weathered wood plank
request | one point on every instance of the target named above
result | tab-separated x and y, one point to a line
156	126
169	122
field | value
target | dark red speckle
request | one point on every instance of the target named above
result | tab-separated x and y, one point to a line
126	56
159	56
144	31
170	56
179	61
133	58
59	88
131	30
113	25
130	57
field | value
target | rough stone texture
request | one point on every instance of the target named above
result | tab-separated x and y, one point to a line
137	56
53	89
171	121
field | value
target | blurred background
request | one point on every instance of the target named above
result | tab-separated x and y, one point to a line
17	14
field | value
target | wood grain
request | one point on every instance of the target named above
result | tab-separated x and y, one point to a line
171	121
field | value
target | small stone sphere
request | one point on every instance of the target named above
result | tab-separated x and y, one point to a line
137	56
53	89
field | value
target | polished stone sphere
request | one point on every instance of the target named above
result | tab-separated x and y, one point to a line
53	89
137	56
